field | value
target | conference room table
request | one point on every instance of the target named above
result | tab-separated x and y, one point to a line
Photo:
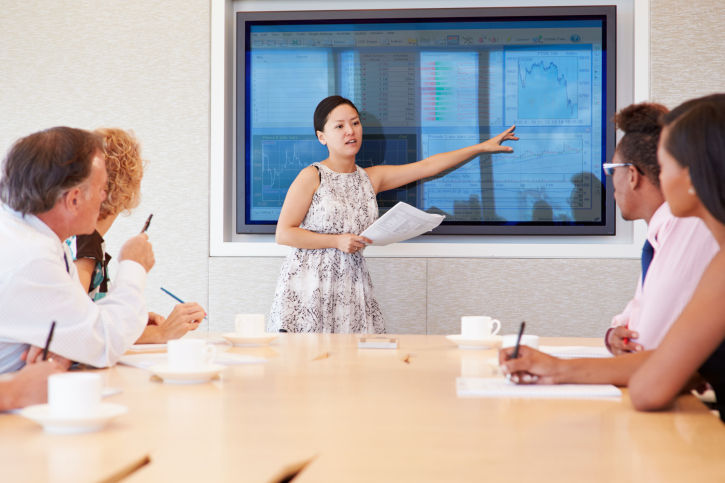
320	405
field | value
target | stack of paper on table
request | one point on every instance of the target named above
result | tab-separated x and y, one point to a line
499	387
400	223
574	351
146	360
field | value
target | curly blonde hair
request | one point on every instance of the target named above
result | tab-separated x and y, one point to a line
125	170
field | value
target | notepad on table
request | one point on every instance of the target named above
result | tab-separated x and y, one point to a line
575	351
499	387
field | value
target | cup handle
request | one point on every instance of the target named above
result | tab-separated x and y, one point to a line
210	353
497	324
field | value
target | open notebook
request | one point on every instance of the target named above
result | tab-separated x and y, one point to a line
499	387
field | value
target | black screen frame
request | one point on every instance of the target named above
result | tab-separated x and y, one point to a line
605	13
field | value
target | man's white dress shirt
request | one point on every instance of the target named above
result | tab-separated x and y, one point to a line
37	287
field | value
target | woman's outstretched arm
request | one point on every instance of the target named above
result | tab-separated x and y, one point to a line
386	177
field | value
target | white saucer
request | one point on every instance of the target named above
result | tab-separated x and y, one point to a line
94	421
192	376
485	343
246	340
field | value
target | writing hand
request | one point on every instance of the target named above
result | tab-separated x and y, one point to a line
530	367
34	355
620	341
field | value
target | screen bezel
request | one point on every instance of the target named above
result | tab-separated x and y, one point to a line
605	13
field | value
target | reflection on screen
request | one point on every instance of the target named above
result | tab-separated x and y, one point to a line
425	88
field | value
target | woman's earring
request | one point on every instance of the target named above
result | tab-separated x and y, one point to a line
691	190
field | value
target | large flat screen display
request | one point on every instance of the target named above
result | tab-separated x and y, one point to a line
428	81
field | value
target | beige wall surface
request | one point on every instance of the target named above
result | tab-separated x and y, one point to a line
145	65
687	41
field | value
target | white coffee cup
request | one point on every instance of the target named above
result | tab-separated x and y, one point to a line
249	325
509	340
74	394
189	354
479	326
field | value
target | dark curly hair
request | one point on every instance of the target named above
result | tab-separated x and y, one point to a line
641	126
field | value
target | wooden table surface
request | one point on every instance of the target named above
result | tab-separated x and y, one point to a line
365	415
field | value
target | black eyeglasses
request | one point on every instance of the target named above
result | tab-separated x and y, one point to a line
609	167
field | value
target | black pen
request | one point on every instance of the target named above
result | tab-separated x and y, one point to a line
47	342
515	353
146	225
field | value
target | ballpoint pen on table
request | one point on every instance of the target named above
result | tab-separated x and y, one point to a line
47	341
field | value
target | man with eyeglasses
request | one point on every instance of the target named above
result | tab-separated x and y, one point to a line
676	251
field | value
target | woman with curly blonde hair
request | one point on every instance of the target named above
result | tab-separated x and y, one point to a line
124	166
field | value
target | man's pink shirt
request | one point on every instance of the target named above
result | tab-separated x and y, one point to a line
683	247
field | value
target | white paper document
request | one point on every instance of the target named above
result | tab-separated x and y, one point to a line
575	351
146	360
499	387
401	222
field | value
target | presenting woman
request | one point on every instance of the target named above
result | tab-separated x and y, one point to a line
324	285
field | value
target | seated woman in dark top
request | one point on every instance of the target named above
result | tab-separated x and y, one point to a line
124	167
692	160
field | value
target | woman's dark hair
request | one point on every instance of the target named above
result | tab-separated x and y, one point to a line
694	134
40	167
641	127
325	107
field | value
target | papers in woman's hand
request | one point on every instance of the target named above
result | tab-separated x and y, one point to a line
400	223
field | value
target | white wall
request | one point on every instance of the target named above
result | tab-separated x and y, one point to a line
132	64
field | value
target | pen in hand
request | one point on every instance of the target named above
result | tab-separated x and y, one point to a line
515	353
146	225
47	341
177	299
